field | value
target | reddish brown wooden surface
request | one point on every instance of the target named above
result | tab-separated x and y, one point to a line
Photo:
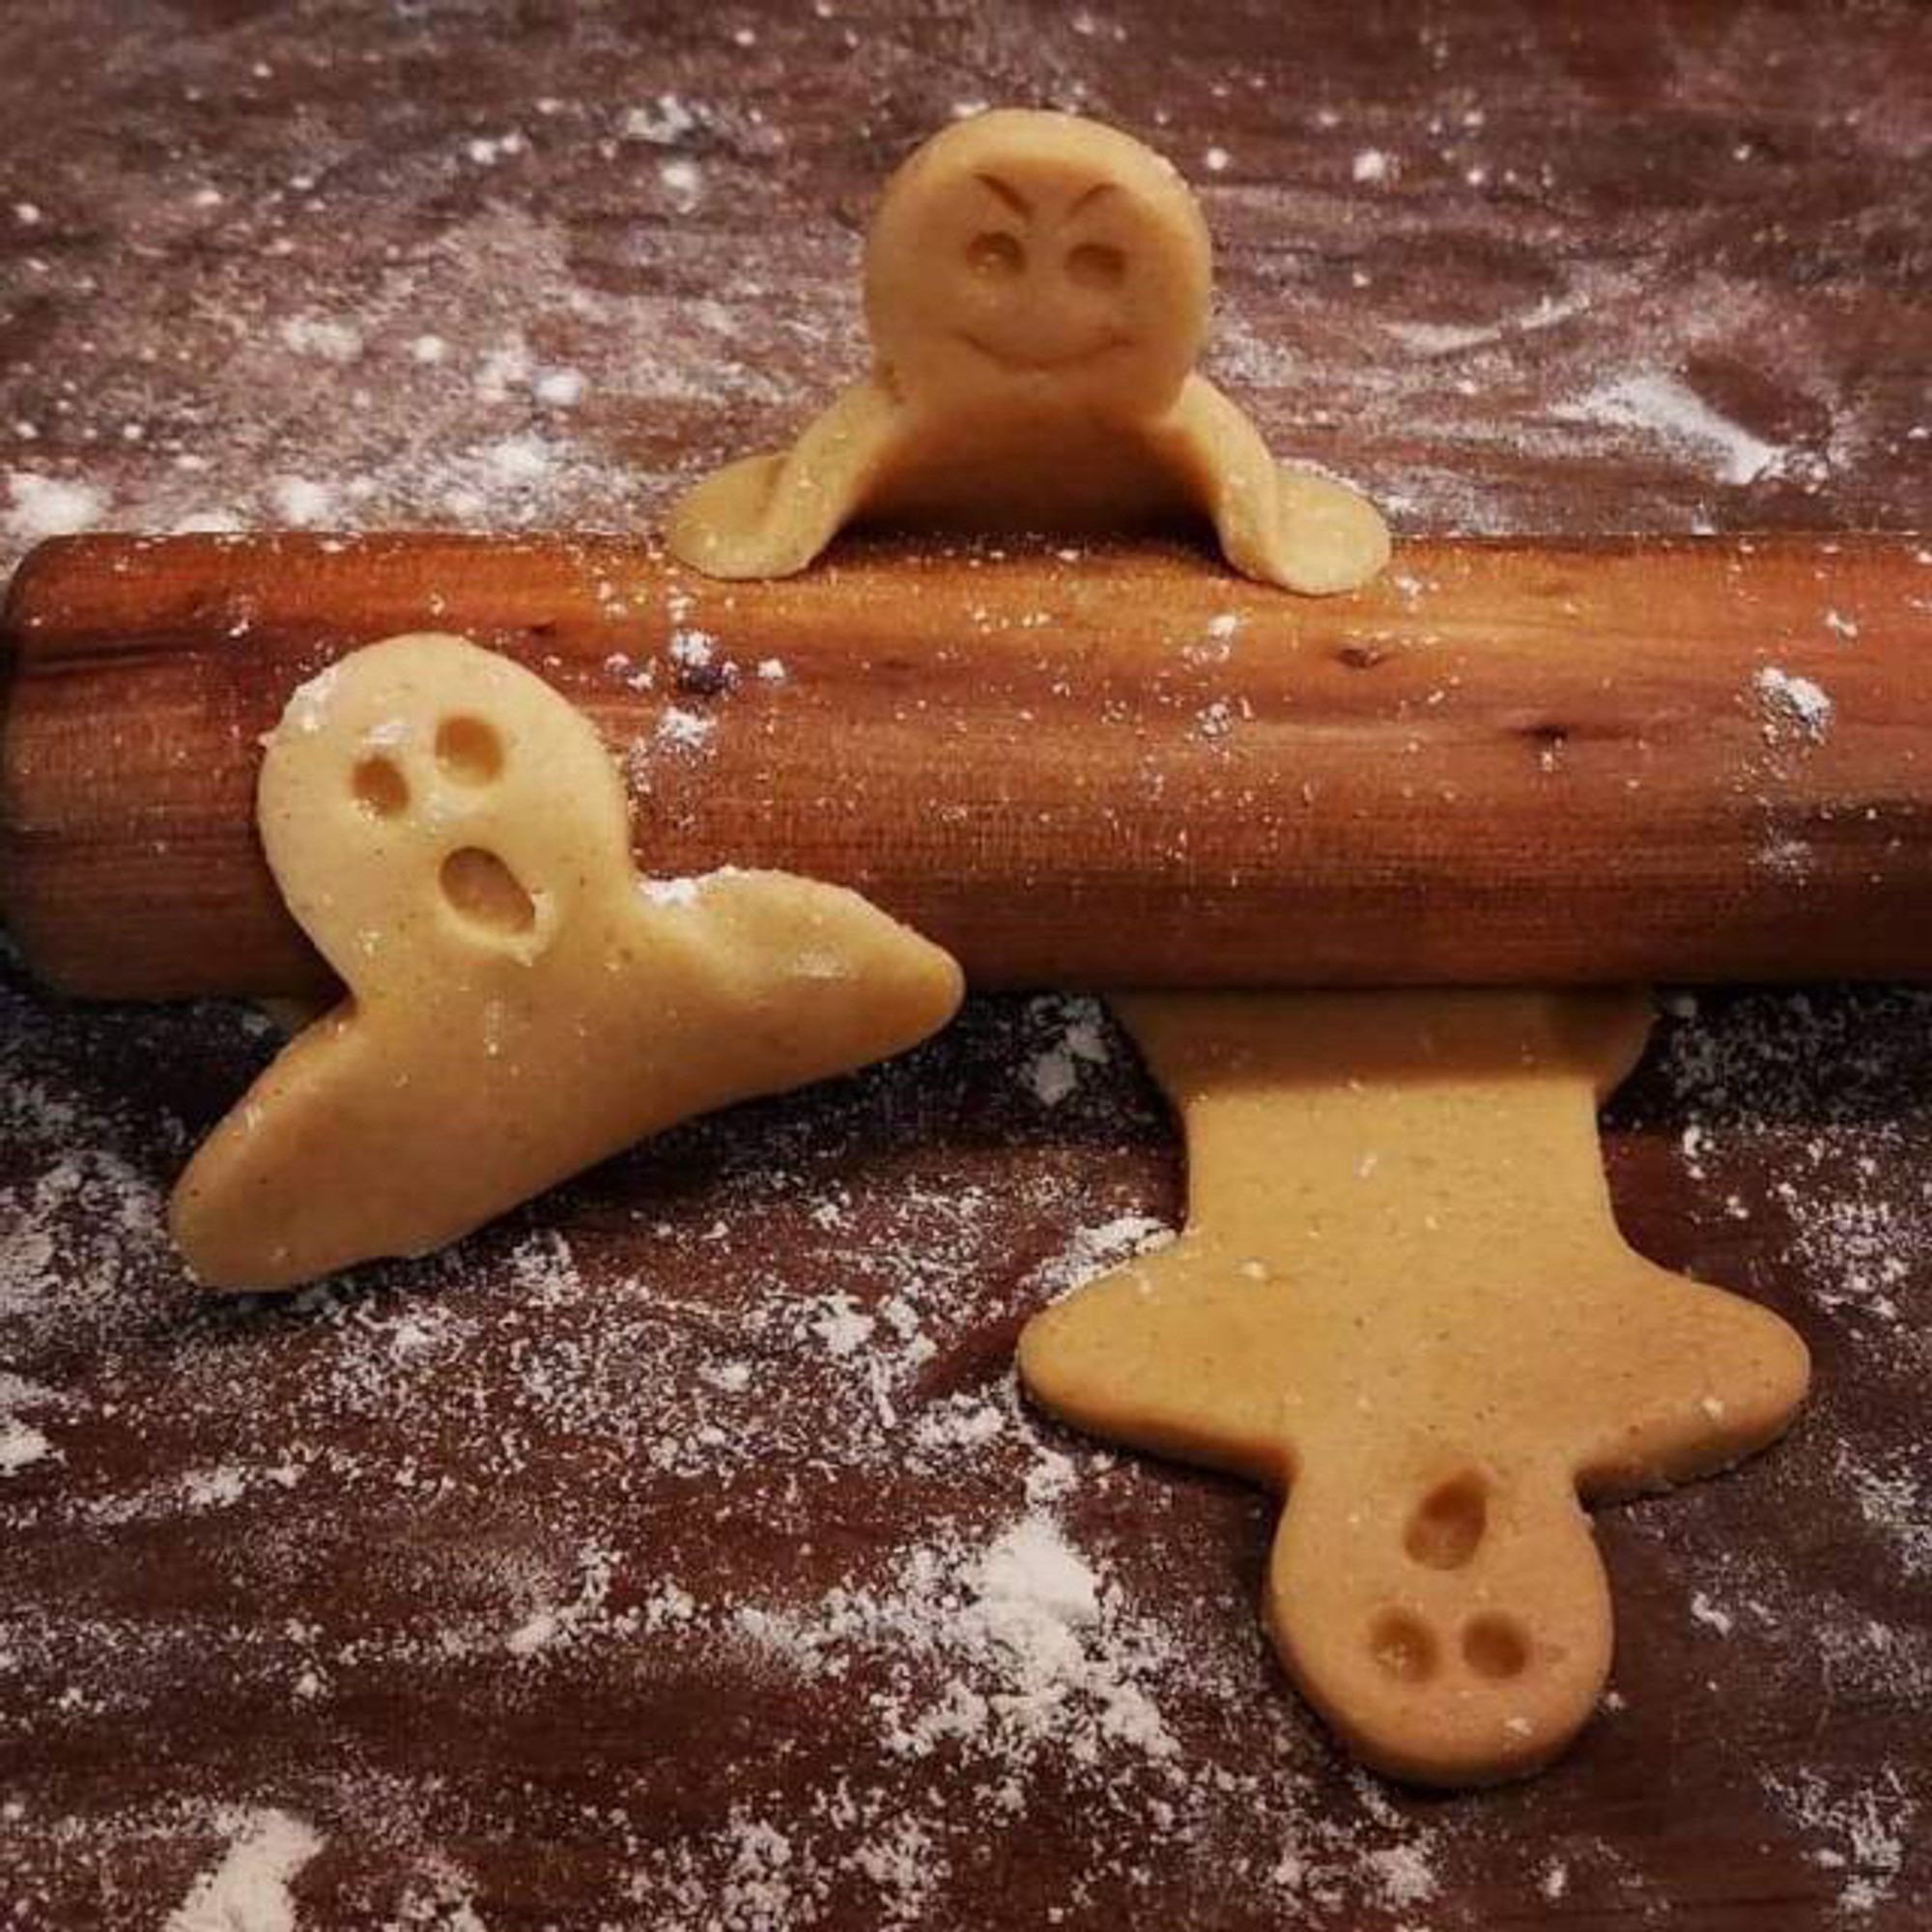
272	1558
1504	762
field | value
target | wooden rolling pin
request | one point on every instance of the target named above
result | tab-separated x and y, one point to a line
1506	761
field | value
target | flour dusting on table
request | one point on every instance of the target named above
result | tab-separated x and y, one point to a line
762	1478
687	1530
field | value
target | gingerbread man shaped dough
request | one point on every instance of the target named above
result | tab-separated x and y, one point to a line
1037	287
1402	1299
454	837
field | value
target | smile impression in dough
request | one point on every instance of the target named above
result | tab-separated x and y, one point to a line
1036	289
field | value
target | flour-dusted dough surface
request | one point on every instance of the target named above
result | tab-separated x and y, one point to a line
1037	287
1401	1297
454	837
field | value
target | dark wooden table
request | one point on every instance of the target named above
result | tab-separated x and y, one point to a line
678	1555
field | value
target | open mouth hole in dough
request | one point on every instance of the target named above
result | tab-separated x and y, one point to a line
482	889
1494	1646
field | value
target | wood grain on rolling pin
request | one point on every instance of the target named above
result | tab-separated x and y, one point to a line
1506	761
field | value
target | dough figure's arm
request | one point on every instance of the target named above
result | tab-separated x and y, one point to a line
1285	526
769	515
1126	1356
1719	1380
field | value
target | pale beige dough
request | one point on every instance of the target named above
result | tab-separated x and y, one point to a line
1402	1299
454	837
1037	287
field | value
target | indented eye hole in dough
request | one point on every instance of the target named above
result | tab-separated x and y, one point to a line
468	750
996	255
482	889
1448	1524
1095	265
1494	1646
380	787
1404	1647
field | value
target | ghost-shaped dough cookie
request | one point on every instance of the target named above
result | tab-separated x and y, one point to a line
454	837
1037	288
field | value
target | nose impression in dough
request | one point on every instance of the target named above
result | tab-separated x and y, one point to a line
454	837
1036	290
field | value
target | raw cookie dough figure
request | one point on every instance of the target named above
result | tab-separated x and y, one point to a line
453	835
1401	1297
1036	289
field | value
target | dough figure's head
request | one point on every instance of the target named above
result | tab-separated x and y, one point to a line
1038	256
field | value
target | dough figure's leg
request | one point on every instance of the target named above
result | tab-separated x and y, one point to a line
770	516
1278	525
1401	1294
1327	536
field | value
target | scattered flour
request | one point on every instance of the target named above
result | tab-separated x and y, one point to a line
1896	1499
331	340
1668	408
50	506
1017	1643
1441	338
684	892
1094	1251
302	502
684	730
560	388
664	122
843	1328
1862	1831
1706	1613
20	1444
248	1890
1405	1874
1039	1656
1793	706
518	462
1081	1040
683	184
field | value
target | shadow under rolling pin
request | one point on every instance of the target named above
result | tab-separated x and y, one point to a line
1506	761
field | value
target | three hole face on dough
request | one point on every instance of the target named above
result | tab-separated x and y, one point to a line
1026	249
1444	1532
485	897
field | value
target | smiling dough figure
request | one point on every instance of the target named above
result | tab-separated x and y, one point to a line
1037	288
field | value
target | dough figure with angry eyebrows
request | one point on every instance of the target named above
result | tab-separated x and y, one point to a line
1037	288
